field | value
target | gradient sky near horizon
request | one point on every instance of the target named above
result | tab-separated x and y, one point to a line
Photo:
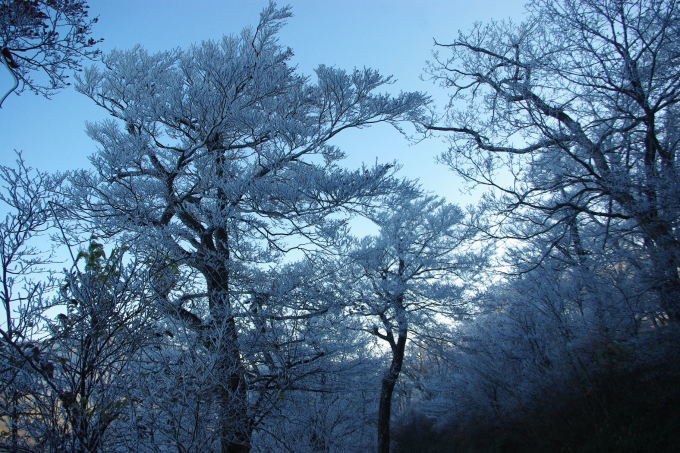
394	37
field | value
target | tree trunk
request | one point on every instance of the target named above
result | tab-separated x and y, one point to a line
235	426
387	389
665	256
667	265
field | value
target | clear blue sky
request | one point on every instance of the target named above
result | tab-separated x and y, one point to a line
393	36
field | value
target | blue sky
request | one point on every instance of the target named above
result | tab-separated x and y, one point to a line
394	37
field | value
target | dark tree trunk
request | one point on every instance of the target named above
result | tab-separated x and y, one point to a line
235	426
667	265
665	253
387	389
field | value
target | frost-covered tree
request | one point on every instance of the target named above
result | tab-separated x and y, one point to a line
324	390
25	196
71	372
541	341
570	117
541	337
410	277
41	41
93	345
218	160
